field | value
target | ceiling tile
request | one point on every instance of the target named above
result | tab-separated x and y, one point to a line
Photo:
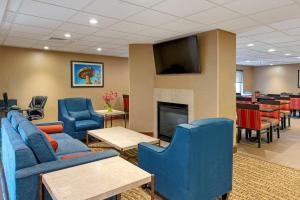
30	29
83	18
287	24
213	15
36	21
151	18
9	17
139	39
159	33
128	27
249	7
45	10
256	30
293	32
278	14
110	33
33	36
273	37
5	26
76	28
145	3
3	36
19	42
182	25
96	39
235	24
13	5
113	8
183	8
53	43
221	1
60	34
74	4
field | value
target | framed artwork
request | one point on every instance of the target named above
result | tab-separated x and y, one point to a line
298	78
87	74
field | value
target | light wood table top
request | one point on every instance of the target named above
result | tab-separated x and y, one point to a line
96	180
112	113
121	138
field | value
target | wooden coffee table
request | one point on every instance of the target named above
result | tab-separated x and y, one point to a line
122	139
96	180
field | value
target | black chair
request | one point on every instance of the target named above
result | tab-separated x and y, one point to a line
36	107
5	101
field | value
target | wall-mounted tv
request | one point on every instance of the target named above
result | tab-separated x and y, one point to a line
178	56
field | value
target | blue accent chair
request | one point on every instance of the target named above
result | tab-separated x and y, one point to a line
196	165
78	116
26	153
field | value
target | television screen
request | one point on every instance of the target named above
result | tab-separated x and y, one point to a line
177	56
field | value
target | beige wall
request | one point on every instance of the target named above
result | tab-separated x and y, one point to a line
214	91
248	76
277	79
29	72
141	62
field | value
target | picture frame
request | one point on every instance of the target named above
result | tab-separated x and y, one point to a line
298	78
86	74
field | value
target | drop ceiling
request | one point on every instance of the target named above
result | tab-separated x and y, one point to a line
267	24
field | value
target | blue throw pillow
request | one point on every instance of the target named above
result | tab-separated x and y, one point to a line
80	115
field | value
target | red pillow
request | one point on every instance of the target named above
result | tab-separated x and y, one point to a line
53	142
58	128
74	155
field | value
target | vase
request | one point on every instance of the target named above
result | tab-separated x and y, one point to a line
109	107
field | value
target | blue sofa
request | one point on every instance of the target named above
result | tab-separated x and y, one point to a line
78	116
196	165
26	153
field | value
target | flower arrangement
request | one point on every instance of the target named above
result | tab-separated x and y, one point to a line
108	97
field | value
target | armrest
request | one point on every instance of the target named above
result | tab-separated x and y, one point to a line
98	118
62	164
69	123
149	156
49	123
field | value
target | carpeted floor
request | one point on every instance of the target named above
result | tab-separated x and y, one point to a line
253	179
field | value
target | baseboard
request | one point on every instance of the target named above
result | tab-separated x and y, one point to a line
235	148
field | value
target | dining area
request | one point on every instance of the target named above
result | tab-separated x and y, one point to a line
262	118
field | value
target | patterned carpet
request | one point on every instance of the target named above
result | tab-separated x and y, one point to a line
253	179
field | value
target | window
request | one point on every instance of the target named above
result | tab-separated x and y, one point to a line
239	82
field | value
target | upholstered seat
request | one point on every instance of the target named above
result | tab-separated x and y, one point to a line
269	121
85	125
285	112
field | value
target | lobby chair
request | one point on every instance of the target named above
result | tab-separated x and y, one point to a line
36	108
196	165
78	116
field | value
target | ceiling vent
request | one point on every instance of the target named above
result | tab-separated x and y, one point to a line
57	38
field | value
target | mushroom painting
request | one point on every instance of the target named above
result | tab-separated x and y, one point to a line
86	74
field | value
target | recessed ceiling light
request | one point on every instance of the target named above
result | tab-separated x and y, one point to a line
271	64
250	45
247	61
99	49
298	57
67	35
271	50
287	54
93	21
46	48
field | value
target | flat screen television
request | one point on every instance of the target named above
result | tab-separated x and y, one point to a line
178	56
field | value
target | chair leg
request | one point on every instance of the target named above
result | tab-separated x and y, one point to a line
239	136
281	123
289	121
269	133
259	139
246	131
278	132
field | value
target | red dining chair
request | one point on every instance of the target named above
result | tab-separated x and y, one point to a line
249	118
274	117
295	103
285	109
126	103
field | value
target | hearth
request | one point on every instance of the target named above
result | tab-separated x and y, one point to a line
168	116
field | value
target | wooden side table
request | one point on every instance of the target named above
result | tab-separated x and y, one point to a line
112	114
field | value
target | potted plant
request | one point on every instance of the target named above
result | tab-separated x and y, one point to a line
108	97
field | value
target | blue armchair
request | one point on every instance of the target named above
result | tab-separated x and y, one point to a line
78	116
196	165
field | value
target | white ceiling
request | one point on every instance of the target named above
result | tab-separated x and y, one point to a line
268	24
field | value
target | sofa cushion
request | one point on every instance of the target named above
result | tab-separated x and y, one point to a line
52	141
55	128
16	120
74	155
69	146
80	115
37	141
86	125
61	136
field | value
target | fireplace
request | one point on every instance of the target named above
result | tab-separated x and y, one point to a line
168	116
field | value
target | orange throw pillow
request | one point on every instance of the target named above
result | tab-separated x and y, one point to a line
52	128
53	142
74	155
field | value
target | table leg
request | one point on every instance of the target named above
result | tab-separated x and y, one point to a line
87	139
41	191
152	187
125	119
105	119
110	121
